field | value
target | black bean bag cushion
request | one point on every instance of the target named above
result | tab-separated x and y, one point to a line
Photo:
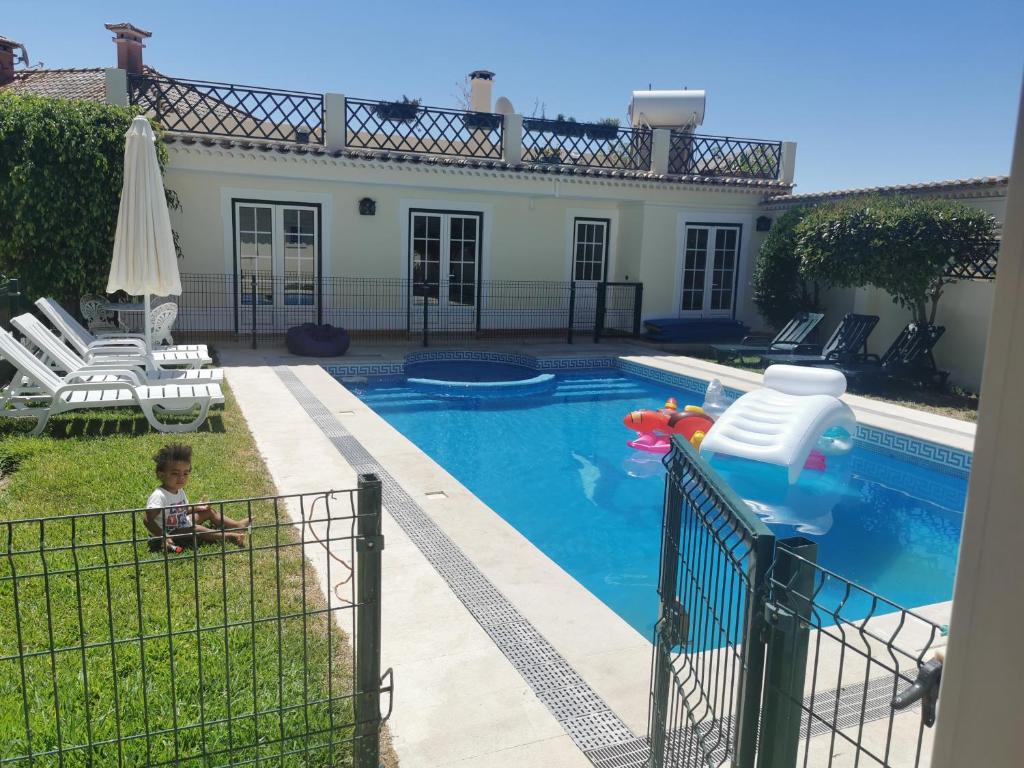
312	340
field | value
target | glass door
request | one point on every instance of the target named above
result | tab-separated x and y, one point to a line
278	245
444	268
710	260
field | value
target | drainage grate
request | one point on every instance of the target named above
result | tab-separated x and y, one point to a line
580	711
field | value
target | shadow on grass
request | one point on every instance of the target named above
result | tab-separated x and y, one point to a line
99	425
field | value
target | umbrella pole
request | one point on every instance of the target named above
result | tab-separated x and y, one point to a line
147	325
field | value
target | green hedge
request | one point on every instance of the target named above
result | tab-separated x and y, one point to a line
62	163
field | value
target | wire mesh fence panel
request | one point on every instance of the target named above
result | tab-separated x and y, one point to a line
119	648
405	126
225	109
693	154
261	306
706	676
838	654
593	145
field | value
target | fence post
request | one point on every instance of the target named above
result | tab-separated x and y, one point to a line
253	311
335	119
788	618
572	307
638	304
512	135
367	639
666	630
426	312
602	290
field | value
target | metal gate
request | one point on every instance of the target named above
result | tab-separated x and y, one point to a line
762	658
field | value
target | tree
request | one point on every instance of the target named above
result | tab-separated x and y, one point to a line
903	245
780	290
62	163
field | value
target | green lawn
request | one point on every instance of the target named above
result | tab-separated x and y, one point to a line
198	659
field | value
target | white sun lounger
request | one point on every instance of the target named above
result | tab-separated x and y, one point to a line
90	347
52	394
62	359
782	422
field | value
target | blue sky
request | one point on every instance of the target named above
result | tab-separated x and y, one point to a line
873	92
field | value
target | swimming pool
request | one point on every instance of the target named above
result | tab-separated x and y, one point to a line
556	466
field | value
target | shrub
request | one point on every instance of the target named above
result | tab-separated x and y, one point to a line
62	162
780	290
899	244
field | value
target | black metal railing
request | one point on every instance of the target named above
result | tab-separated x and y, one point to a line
225	109
592	145
409	127
764	658
262	307
117	651
692	154
982	267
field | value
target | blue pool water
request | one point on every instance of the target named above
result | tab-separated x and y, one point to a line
556	466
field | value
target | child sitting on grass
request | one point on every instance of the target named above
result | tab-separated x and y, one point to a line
175	523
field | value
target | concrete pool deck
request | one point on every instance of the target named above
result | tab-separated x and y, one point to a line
459	699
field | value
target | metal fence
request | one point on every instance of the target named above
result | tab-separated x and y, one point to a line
408	127
586	144
981	268
764	658
115	651
225	109
259	306
693	154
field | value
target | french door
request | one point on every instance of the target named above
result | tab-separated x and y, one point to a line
278	244
444	267
710	262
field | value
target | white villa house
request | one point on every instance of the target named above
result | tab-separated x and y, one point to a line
395	217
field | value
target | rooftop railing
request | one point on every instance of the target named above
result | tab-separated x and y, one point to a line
692	154
337	122
593	145
408	127
224	109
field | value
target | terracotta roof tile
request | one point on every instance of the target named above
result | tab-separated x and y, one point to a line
408	157
994	183
87	83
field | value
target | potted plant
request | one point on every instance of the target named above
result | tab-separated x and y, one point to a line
605	129
398	111
481	120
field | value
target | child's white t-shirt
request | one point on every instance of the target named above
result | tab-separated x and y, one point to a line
173	509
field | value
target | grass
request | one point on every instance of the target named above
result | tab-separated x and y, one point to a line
129	657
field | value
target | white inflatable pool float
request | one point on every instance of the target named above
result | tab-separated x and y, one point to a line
787	419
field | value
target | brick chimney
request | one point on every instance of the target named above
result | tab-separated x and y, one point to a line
129	39
8	60
480	82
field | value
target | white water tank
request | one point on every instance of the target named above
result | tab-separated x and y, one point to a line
667	109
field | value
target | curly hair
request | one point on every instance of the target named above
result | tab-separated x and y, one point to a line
172	452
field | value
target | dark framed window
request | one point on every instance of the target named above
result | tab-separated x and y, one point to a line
590	249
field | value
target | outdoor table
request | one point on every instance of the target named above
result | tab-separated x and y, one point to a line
133	312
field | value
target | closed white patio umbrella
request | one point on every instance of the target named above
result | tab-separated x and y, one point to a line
145	261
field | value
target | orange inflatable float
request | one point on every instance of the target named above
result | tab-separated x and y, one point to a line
657	427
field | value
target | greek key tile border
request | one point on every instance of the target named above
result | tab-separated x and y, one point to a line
539	364
941	458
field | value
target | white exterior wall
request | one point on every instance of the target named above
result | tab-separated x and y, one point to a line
527	217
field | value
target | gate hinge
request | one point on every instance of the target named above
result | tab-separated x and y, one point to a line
925	688
780	617
370	543
675	624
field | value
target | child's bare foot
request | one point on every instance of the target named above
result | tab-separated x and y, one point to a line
238	539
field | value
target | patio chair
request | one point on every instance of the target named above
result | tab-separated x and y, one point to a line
47	394
908	359
848	343
791	336
60	358
97	317
89	346
160	321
